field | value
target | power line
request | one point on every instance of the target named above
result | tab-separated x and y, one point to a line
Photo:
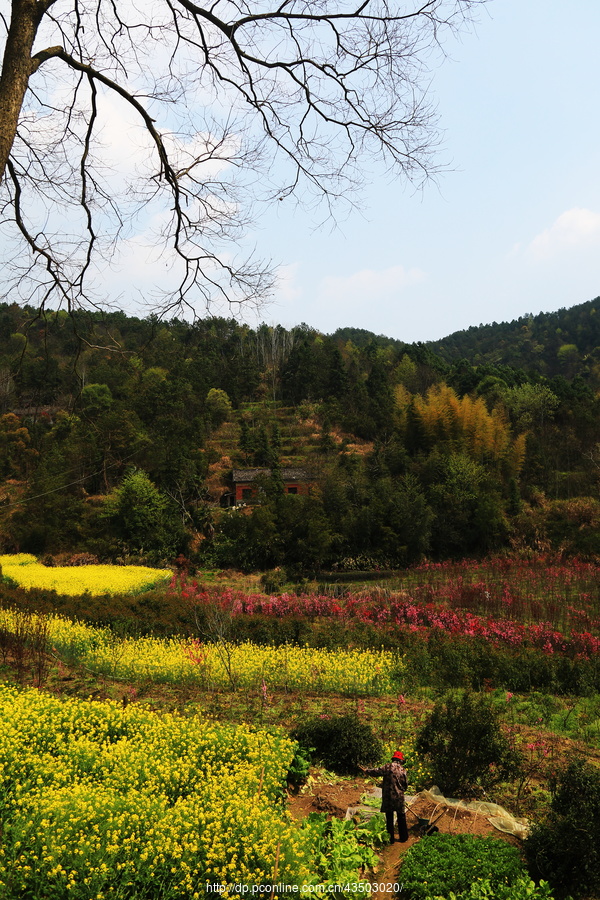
70	484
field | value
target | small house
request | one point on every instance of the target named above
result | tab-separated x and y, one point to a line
246	483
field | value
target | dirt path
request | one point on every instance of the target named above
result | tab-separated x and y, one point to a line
387	875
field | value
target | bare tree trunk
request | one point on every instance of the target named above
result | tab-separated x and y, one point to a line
16	70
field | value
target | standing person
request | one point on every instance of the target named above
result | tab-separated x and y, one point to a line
395	782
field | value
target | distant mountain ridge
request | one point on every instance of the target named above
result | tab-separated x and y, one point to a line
565	342
554	343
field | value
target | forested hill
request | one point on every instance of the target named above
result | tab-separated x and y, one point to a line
360	337
566	342
124	444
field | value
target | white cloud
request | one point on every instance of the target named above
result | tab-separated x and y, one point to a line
127	146
369	298
130	150
368	286
575	229
287	289
374	299
141	268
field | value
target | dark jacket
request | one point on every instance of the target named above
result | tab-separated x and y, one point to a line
395	783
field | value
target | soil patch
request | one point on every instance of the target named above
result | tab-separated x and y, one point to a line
454	820
331	797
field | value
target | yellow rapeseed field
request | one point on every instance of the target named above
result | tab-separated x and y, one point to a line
27	572
97	801
218	665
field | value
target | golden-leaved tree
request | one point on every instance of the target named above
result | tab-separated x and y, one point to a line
464	425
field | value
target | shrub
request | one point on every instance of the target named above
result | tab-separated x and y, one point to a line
565	849
272	581
80	559
446	863
339	742
464	744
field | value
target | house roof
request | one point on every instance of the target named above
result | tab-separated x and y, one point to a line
247	475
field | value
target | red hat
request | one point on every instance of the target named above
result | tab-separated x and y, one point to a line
398	755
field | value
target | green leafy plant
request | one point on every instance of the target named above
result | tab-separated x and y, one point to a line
342	850
443	864
299	767
539	709
339	742
565	849
373	831
464	744
521	889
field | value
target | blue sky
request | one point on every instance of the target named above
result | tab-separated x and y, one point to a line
512	227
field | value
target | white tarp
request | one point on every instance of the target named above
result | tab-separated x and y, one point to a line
496	815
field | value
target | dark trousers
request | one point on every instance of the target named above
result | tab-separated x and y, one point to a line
402	829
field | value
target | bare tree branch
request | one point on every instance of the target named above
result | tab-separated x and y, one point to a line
240	102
